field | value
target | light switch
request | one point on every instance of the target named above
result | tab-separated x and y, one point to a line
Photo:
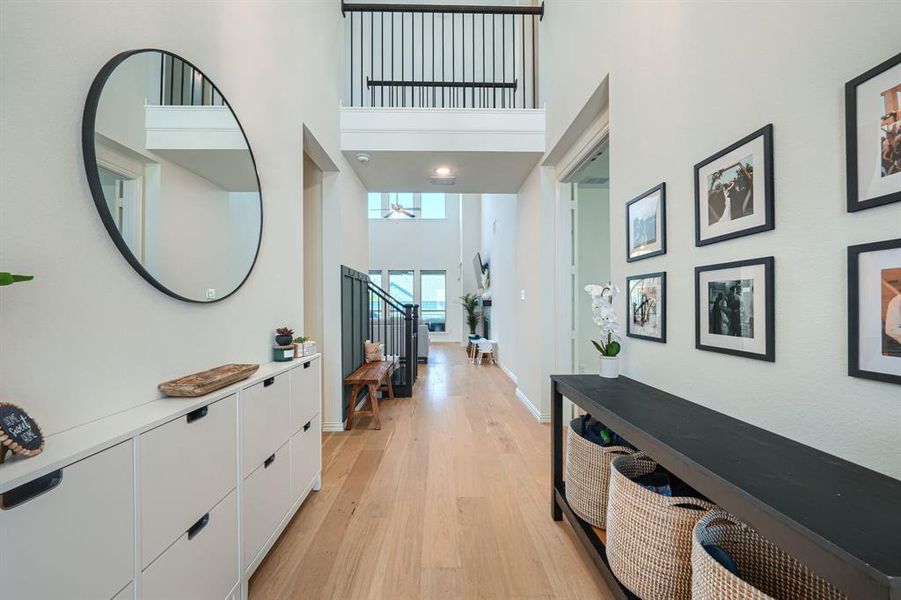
210	294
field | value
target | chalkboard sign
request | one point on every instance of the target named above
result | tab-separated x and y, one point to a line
18	432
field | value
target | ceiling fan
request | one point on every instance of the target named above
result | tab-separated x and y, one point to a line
398	211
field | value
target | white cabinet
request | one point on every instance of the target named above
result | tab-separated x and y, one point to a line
265	420
75	540
267	498
306	456
202	563
187	466
305	393
200	488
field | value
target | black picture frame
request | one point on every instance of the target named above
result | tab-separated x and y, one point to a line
854	204
768	263
89	153
854	253
629	280
661	216
768	188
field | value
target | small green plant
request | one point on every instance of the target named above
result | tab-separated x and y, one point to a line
10	278
470	303
284	331
301	339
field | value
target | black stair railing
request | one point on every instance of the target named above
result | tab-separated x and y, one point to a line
444	56
181	84
396	325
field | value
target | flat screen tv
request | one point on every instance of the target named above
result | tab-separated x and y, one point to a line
477	266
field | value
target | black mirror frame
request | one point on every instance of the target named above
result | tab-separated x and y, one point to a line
90	165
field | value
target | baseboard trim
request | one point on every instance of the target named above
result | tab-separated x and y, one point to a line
541	418
508	373
333	426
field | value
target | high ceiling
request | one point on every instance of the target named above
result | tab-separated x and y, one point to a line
475	172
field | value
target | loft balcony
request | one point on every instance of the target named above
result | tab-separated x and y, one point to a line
441	56
430	84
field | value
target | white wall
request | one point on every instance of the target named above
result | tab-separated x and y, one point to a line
499	233
687	79
114	337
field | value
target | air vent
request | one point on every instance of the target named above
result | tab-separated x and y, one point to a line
595	180
443	180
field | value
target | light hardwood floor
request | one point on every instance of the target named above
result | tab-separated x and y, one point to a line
449	500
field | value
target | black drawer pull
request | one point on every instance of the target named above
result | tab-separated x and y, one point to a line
30	490
306	365
268	382
307	426
268	461
198	526
197	414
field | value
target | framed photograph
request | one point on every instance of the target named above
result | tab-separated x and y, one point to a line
646	314
874	311
873	136
734	190
735	310
646	225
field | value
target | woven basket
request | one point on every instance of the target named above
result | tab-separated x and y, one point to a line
588	476
767	573
648	535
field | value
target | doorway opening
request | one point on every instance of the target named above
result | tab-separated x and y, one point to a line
590	251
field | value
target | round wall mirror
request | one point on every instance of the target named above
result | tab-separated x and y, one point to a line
172	175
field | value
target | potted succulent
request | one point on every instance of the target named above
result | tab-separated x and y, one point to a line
284	336
604	316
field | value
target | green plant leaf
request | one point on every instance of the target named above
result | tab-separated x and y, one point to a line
613	348
599	347
9	278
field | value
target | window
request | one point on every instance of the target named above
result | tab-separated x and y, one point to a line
422	206
433	307
376	277
433	206
400	285
375	206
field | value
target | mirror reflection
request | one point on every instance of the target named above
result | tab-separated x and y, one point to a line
179	188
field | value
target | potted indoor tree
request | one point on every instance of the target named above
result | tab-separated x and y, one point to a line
470	304
604	316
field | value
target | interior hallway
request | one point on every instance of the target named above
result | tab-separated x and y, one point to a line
448	500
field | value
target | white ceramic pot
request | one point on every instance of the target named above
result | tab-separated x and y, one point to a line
609	367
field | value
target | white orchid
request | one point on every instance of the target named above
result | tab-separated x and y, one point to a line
604	316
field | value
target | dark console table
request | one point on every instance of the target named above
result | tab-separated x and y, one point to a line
840	519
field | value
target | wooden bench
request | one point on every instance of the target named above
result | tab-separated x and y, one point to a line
375	376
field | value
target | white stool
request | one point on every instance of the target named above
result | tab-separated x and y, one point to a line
485	348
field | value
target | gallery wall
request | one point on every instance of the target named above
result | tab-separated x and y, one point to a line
686	80
89	337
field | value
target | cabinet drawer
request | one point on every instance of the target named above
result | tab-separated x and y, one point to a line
266	420
202	564
75	540
306	453
267	498
305	393
187	466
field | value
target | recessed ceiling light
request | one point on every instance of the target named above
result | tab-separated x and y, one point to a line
363	157
443	171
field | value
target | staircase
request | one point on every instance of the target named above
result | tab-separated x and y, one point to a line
370	313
